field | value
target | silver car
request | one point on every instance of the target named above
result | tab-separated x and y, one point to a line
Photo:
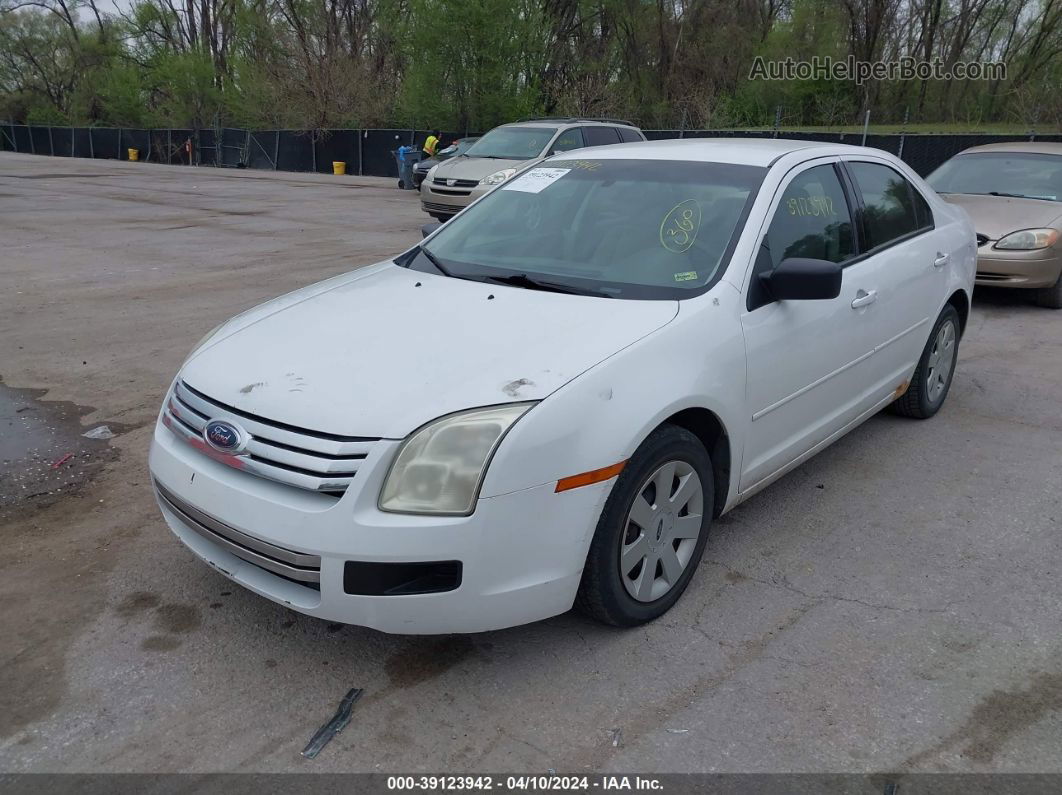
453	185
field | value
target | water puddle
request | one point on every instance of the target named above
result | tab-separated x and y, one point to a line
43	454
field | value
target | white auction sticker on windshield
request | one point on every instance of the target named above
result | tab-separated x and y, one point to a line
536	180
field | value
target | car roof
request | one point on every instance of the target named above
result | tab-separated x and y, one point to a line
1029	147
741	151
566	122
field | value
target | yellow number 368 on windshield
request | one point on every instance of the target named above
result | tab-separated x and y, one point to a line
679	228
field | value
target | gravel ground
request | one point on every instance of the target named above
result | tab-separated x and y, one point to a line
893	604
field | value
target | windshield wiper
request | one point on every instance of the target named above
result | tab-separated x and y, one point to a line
989	193
529	283
435	261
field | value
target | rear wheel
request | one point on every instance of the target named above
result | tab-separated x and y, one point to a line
932	378
1051	297
652	531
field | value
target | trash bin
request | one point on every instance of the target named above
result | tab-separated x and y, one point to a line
134	154
339	167
405	157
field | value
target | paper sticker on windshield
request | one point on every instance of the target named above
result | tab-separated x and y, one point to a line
679	228
688	276
536	180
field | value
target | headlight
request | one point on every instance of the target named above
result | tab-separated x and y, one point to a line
440	467
498	177
1028	240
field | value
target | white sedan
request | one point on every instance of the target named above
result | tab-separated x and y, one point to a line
548	400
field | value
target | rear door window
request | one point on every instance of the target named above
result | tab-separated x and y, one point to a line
889	211
627	135
600	136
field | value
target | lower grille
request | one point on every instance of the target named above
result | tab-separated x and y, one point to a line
299	567
993	277
439	208
301	458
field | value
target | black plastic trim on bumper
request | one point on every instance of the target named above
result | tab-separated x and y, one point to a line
397	579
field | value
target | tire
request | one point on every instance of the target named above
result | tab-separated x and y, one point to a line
605	592
1050	297
927	391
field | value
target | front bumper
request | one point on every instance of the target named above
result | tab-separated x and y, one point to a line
521	553
443	200
1018	268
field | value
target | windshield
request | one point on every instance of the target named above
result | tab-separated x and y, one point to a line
458	147
512	143
1028	176
618	228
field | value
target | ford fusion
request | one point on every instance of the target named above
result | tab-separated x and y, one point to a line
548	400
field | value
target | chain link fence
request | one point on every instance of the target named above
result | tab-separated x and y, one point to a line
368	152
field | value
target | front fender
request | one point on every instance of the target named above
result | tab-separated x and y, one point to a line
600	417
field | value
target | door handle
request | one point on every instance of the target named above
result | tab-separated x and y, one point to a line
941	260
864	298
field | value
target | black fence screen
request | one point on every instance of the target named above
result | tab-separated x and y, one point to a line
370	152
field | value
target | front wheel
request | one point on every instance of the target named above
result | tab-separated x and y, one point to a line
932	378
652	531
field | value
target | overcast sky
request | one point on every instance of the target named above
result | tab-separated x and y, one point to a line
111	6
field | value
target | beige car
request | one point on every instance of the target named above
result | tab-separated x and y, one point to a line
453	185
1013	193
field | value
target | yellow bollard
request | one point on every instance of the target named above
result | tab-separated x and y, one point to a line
134	154
339	167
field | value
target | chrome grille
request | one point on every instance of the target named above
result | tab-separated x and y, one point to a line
458	183
301	458
300	567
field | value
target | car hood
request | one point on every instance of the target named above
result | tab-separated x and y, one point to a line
998	216
382	351
474	167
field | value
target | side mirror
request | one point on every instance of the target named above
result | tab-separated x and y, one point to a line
799	279
427	229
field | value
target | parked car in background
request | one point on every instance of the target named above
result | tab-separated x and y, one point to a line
456	149
551	397
1013	193
504	150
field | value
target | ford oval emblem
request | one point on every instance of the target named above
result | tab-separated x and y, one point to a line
224	436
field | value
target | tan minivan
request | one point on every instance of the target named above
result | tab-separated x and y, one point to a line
453	185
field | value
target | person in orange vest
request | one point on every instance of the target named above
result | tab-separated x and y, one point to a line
431	144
